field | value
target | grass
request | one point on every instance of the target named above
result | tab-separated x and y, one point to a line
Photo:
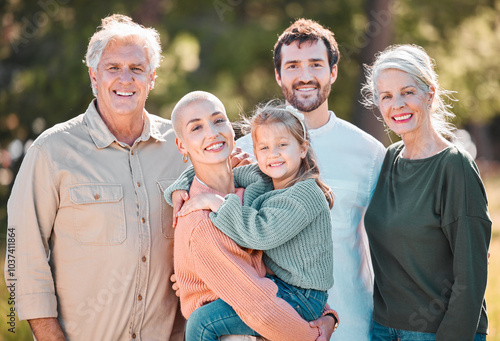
22	331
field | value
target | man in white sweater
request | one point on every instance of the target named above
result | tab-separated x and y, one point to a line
305	59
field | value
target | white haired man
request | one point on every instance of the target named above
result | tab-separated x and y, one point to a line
94	238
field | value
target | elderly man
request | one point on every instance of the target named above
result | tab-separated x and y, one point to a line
305	61
94	241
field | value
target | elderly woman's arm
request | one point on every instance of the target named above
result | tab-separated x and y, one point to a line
469	233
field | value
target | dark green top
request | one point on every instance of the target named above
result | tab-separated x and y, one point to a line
429	232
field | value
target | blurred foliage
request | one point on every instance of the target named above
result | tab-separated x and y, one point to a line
225	47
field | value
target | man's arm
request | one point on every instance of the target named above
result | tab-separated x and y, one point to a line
32	211
327	324
47	329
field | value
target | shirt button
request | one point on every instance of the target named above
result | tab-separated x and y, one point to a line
143	258
139	298
133	336
143	220
97	197
138	184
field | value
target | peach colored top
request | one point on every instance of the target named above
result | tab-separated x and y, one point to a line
209	265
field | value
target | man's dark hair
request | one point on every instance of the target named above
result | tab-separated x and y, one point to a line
303	30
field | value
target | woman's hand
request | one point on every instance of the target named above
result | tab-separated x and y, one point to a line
202	201
326	325
179	197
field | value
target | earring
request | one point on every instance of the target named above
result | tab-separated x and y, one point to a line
185	158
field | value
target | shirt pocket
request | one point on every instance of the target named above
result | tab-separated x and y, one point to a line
99	217
166	212
345	204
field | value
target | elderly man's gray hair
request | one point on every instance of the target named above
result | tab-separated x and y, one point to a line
121	27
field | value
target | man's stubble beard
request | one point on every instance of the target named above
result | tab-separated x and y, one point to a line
291	98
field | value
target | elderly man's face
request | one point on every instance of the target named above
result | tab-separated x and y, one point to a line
123	79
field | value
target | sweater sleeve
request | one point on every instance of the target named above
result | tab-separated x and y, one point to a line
275	221
227	271
244	176
183	182
469	233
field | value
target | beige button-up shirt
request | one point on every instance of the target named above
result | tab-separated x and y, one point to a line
93	235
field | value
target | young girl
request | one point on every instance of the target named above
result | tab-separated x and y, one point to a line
285	212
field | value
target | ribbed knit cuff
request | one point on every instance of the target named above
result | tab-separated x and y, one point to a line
230	206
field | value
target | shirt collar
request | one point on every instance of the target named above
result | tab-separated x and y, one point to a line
329	125
101	135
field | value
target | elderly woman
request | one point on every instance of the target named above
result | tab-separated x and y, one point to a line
208	264
428	222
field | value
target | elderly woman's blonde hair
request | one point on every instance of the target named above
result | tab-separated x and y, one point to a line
121	27
413	60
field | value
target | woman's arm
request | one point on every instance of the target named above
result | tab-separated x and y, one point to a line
228	271
469	239
469	236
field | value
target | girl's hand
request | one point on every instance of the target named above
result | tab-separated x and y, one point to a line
326	325
179	197
202	201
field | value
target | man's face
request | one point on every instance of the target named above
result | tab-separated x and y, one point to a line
123	79
305	78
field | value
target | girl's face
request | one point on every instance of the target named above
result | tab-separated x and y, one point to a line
278	153
207	134
402	103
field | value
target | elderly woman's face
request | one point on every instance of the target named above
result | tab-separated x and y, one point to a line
404	106
206	133
123	79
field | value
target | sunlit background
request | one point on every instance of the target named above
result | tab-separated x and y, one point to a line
225	47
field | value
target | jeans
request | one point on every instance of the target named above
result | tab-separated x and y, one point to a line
218	318
382	333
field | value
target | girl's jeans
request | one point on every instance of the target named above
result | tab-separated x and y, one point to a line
218	318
